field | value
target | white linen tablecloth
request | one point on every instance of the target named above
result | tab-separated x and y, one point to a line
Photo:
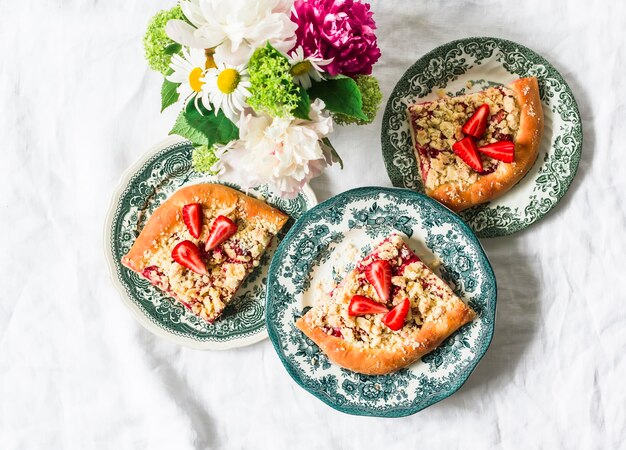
77	372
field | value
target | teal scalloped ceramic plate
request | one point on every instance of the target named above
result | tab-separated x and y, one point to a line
485	62
163	170
324	245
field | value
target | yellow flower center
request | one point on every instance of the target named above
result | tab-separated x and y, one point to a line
227	80
194	79
301	68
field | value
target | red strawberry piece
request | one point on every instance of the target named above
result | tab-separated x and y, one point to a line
502	151
187	254
222	229
467	150
477	124
361	305
394	319
192	216
337	332
378	274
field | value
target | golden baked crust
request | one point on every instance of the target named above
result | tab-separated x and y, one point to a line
374	361
364	344
227	265
488	187
168	216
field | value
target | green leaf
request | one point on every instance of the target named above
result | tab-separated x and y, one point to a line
333	152
173	48
169	94
206	128
341	95
304	105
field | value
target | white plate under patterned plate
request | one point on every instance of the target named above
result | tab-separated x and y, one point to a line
325	243
486	62
163	170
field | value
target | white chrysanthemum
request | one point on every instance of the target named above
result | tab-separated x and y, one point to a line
226	88
306	69
188	70
234	28
283	152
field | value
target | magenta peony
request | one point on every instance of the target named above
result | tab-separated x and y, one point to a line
339	29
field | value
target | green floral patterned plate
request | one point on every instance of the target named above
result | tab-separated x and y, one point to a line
145	186
479	63
324	245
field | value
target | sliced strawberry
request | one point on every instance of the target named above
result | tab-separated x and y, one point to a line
222	229
394	319
477	124
361	305
192	216
467	150
187	254
502	151
378	274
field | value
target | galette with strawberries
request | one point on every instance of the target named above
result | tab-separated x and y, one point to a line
473	148
201	243
387	313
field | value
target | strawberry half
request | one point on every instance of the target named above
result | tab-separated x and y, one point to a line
361	305
394	319
502	151
378	274
467	150
477	124
187	254
192	216
222	229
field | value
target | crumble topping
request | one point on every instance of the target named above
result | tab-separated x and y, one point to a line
436	126
430	298
227	265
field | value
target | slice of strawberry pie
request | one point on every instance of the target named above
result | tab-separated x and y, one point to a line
201	244
386	314
472	148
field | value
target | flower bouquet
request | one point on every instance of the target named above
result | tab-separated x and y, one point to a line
261	83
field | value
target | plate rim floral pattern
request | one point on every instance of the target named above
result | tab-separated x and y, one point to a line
274	285
114	266
483	219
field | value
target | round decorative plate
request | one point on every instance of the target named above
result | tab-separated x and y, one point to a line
165	169
480	63
320	249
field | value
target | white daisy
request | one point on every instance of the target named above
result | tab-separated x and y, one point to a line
304	69
189	68
226	87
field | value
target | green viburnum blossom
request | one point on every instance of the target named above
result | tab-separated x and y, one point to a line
272	88
203	159
371	95
157	45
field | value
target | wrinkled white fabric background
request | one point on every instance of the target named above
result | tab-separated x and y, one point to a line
77	372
